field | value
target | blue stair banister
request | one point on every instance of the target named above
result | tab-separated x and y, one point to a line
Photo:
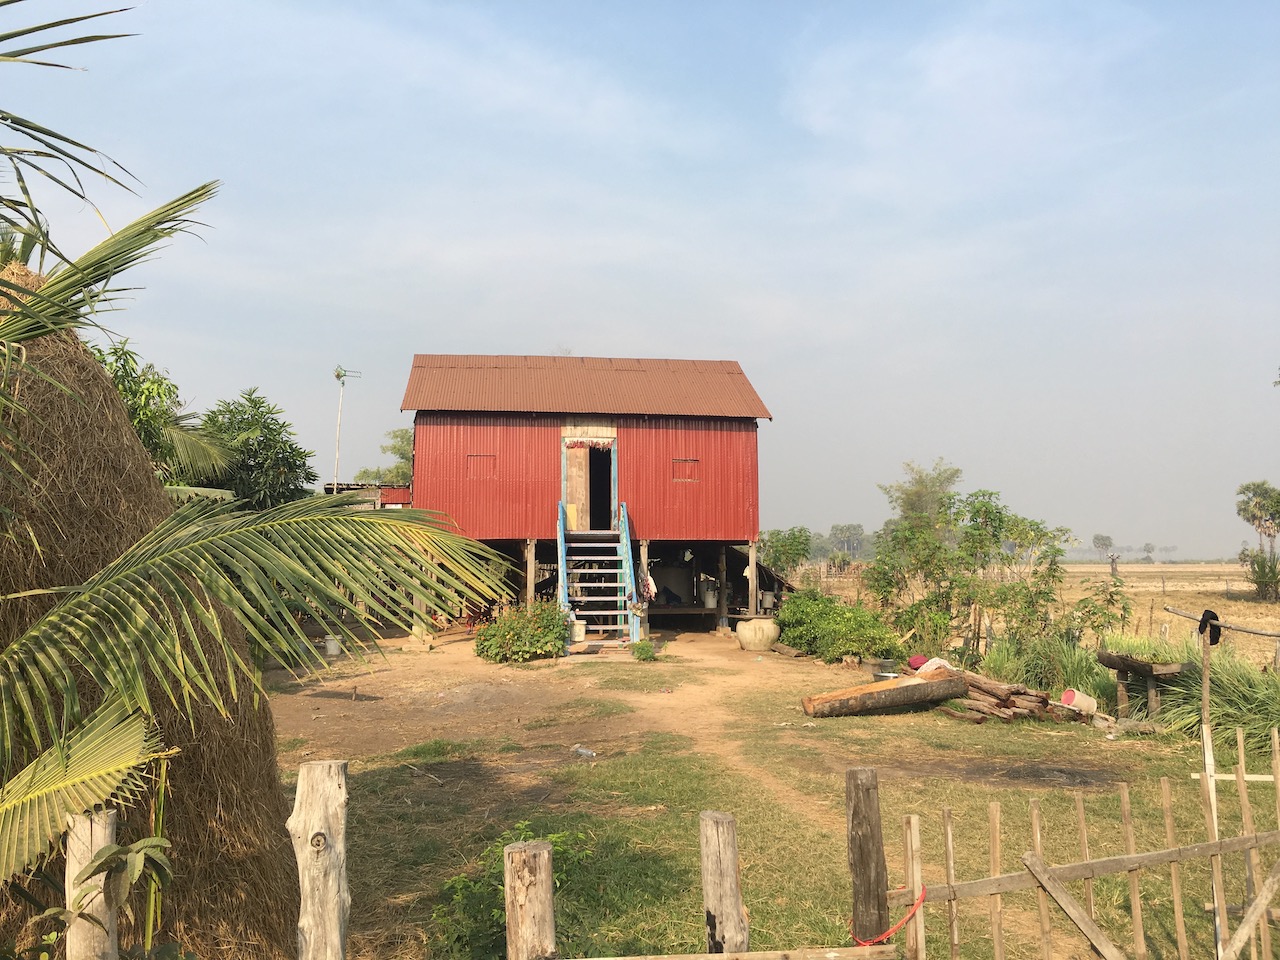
561	523
631	596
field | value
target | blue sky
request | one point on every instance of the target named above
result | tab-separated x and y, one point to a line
1041	241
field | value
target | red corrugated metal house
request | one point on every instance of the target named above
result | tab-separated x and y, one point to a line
529	453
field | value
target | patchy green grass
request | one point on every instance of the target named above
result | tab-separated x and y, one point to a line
580	710
286	744
638	811
631	676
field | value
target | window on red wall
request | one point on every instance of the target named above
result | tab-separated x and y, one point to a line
482	466
685	470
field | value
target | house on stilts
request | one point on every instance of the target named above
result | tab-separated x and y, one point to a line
625	488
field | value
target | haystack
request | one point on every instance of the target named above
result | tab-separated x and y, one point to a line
90	493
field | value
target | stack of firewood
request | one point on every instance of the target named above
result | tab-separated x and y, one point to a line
1007	701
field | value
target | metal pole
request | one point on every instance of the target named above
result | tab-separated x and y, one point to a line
337	440
340	374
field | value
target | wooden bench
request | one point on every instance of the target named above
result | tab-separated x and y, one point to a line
1155	674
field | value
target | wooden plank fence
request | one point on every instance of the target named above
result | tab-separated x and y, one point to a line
1048	882
317	826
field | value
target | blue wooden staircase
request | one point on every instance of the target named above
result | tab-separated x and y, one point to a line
597	579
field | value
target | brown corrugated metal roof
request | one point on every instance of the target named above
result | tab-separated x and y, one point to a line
581	385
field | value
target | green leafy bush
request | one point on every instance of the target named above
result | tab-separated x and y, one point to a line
1105	605
831	629
643	651
931	623
471	923
524	633
1262	569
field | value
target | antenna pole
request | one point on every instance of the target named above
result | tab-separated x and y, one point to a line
340	374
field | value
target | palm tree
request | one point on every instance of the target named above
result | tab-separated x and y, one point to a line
1258	505
155	618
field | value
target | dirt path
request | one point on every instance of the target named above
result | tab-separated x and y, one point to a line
417	694
605	702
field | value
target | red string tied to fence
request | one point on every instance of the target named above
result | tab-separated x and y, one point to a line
896	927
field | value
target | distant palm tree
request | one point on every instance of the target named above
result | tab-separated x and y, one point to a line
1258	505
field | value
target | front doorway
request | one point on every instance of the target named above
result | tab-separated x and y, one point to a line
600	483
590	483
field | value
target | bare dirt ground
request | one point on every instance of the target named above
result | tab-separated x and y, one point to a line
441	689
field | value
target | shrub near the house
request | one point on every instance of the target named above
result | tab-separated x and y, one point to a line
832	629
520	634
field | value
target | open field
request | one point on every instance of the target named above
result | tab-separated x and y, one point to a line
448	753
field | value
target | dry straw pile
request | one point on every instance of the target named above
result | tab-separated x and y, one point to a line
91	492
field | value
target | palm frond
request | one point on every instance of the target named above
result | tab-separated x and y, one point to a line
150	613
102	760
194	452
21	55
46	148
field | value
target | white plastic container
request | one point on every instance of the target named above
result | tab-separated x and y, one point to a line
1079	701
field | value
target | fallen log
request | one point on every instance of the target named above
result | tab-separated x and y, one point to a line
931	687
787	651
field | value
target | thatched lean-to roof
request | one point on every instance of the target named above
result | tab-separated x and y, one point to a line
90	493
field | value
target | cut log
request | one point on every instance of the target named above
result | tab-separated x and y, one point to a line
963	715
988	709
931	687
786	651
983	697
1001	691
1028	702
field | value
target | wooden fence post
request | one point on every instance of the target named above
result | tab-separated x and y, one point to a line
997	915
953	906
1042	898
529	886
913	870
727	929
318	828
86	835
867	867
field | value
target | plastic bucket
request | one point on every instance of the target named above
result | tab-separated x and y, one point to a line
1079	701
332	646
